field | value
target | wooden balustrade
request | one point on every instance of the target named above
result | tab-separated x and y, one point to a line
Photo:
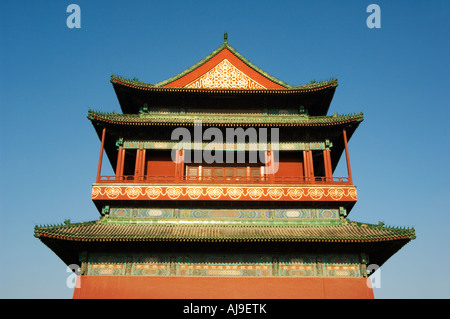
266	179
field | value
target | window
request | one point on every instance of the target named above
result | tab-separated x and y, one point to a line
241	174
255	173
227	174
192	173
218	174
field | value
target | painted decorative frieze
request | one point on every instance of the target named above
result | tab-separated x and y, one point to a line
225	76
168	145
116	192
260	214
236	265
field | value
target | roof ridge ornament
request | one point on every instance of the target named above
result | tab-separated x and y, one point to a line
225	38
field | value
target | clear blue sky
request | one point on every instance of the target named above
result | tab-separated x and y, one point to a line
397	75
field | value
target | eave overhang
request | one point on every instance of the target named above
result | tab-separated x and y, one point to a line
133	94
380	242
135	125
223	119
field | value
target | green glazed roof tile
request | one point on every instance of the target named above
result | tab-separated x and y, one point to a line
222	118
163	231
286	87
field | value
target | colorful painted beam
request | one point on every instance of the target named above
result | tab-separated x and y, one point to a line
156	192
167	145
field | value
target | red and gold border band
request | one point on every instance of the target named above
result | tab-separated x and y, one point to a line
147	192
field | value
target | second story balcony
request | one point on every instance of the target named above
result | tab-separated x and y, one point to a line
158	167
290	182
159	174
265	188
219	180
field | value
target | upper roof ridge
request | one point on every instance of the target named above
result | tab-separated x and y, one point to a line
225	46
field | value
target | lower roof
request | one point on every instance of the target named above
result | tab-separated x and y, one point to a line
69	240
104	230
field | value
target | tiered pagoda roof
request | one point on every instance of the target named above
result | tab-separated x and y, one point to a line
223	73
287	89
113	232
342	231
223	119
224	76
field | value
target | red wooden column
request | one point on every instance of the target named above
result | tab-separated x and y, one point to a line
306	166
137	167
179	164
120	164
142	172
349	170
99	169
327	163
311	166
119	158
272	167
266	165
275	164
269	167
177	168
330	164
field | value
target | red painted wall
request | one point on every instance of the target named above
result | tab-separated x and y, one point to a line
138	287
290	164
159	164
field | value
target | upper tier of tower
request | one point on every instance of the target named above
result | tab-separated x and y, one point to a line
226	81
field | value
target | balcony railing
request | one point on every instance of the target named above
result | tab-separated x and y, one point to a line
268	179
